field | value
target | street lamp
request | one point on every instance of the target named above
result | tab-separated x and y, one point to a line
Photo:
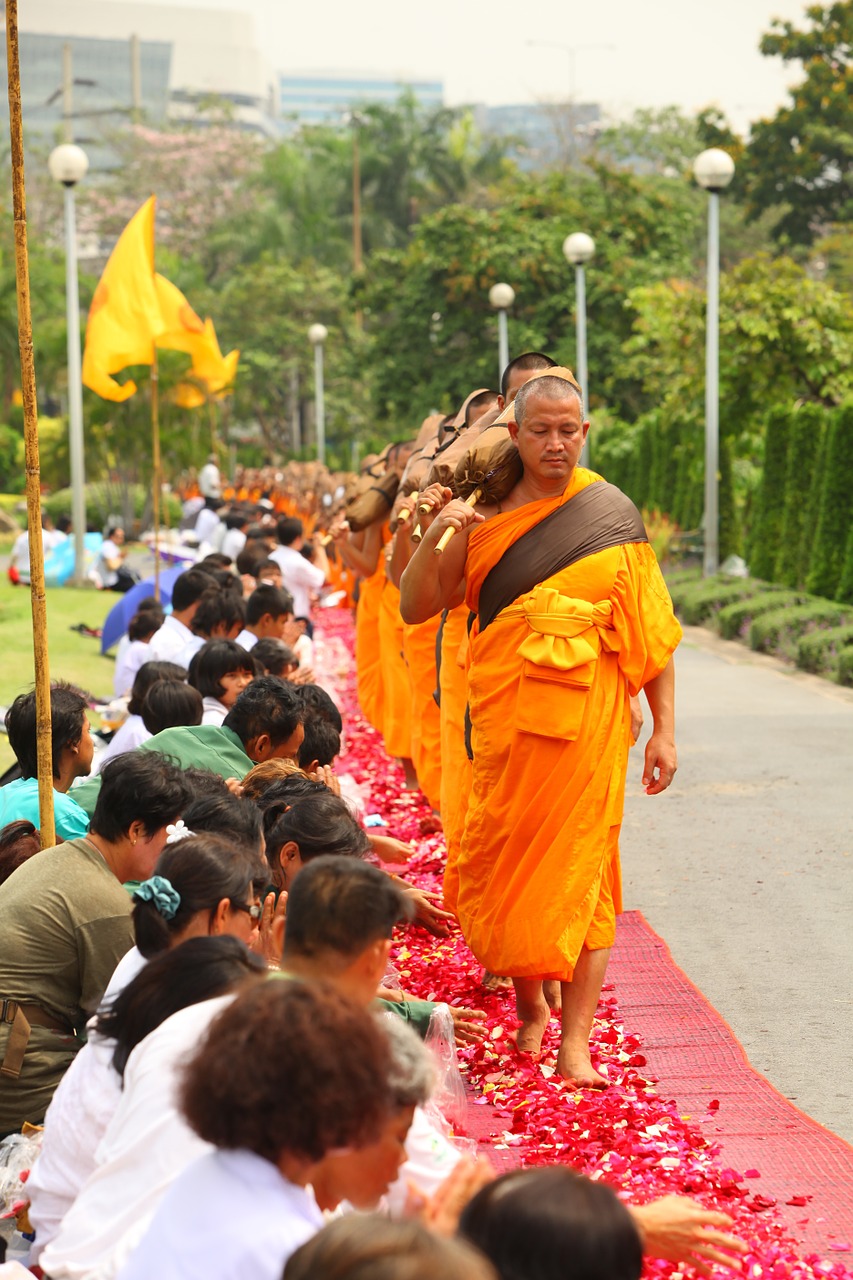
317	335
713	170
502	296
68	165
579	249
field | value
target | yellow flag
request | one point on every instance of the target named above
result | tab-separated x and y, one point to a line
187	395
183	330
210	366
125	316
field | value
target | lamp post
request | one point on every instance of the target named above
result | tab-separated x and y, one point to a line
68	165
713	170
502	296
579	249
317	335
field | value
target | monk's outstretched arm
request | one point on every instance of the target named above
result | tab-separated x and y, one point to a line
661	760
433	582
359	551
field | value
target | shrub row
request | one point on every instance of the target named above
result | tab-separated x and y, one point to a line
814	633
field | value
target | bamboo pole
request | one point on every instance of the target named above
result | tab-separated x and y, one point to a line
156	478
31	444
214	439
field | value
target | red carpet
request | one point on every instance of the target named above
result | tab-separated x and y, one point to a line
696	1058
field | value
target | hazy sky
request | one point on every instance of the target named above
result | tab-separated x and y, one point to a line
689	52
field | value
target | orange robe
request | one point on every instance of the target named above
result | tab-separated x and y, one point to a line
455	765
419	651
396	689
549	686
367	654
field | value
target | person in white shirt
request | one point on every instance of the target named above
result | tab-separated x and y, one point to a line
132	733
299	575
175	633
199	969
268	611
220	616
208	520
339	927
209	479
236	523
132	651
272	1091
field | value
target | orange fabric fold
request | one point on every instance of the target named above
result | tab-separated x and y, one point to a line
538	870
396	688
419	651
455	765
367	653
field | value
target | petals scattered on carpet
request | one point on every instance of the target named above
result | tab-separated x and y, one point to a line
630	1134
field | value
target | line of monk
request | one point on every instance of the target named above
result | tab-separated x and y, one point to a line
504	669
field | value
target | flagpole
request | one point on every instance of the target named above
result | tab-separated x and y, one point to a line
38	597
214	439
155	466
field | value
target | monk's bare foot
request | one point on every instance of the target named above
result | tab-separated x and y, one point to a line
411	776
494	982
532	1029
552	990
575	1066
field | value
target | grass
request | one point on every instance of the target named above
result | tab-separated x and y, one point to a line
72	656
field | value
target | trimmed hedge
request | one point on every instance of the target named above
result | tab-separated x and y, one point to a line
819	651
104	500
734	620
779	631
697	602
844	674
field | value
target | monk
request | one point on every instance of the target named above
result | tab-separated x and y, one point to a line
362	552
573	617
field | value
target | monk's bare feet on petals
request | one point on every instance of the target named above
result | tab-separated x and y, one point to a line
575	1066
494	982
552	990
532	1029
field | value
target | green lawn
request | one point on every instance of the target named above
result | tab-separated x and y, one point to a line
72	656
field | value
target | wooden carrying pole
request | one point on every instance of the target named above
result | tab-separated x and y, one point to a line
31	443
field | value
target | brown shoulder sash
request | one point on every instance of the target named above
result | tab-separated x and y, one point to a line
598	517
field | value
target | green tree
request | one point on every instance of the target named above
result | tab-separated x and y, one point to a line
765	534
835	515
800	162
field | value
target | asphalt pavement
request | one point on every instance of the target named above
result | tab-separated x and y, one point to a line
745	865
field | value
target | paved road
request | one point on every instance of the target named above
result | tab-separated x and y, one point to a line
745	866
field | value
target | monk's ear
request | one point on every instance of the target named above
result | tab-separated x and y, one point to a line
501	404
512	428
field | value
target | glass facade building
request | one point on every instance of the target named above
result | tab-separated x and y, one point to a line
325	98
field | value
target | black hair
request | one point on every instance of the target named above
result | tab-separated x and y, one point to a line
315	698
267	599
202	869
288	529
274	656
220	812
227	581
19	841
551	1223
138	786
251	557
321	743
168	704
215	659
204	783
285	792
483	401
526	361
147	675
218	608
236	518
67	721
144	623
267	564
342	905
267	705
199	969
150	605
189	587
214	560
318	824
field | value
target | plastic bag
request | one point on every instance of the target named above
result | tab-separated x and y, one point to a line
449	1101
18	1153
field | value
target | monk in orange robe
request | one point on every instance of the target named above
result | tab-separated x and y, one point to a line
573	617
362	552
397	690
